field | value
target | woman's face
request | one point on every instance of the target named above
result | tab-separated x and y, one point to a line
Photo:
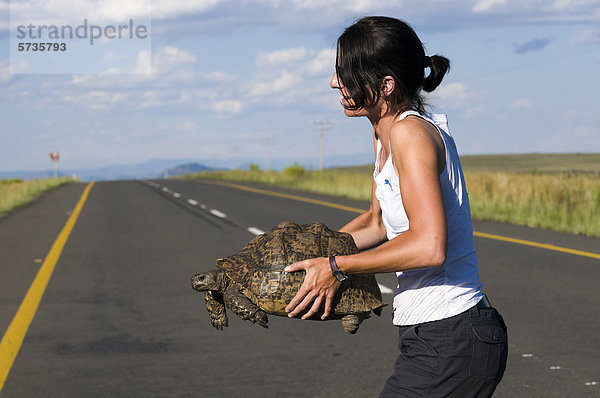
336	83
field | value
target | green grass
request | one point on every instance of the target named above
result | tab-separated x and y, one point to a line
16	192
555	191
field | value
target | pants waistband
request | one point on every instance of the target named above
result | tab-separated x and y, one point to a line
483	303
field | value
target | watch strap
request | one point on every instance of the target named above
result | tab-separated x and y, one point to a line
335	270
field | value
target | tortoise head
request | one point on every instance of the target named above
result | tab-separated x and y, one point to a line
211	280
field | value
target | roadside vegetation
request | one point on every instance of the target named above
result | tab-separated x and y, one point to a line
341	183
16	192
564	197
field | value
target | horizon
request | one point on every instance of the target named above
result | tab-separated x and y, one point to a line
278	164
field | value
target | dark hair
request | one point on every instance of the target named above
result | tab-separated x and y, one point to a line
375	47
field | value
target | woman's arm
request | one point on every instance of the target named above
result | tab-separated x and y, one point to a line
367	229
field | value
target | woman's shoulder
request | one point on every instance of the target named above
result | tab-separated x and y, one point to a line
414	137
413	129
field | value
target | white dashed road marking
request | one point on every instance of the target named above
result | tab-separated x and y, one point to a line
217	213
385	289
255	231
192	202
176	195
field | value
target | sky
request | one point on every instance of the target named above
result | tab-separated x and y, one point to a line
220	81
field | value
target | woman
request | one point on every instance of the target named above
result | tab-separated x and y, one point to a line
452	343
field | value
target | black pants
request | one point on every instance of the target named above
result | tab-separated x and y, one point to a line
462	356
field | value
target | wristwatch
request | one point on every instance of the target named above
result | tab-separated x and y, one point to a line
335	270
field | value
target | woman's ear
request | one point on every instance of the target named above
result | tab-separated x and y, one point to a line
387	86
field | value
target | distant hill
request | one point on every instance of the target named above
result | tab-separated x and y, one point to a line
534	162
150	169
188	168
519	163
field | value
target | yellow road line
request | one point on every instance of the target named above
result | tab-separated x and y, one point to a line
535	244
287	196
13	338
356	210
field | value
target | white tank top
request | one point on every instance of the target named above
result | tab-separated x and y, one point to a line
435	293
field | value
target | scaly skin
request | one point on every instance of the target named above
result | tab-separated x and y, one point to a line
216	308
243	307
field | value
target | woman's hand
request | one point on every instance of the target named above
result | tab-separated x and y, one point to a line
319	284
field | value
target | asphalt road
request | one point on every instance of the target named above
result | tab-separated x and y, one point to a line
119	318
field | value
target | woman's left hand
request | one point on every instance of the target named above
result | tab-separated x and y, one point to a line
319	284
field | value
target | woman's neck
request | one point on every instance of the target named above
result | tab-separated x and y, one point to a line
382	122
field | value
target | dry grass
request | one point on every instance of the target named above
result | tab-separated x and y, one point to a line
567	202
337	183
563	202
15	192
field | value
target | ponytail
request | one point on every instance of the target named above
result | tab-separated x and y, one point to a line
438	67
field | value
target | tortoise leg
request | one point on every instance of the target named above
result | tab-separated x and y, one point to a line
216	308
351	322
243	307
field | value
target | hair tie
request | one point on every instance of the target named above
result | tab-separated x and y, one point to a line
427	62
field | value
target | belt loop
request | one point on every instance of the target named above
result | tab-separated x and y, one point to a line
474	311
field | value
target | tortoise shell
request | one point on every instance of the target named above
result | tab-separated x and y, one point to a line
258	269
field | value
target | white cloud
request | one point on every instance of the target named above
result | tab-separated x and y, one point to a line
294	74
69	11
522	103
322	64
95	100
356	6
284	81
56	12
456	96
280	57
487	5
144	63
162	9
169	58
452	95
227	107
573	139
220	77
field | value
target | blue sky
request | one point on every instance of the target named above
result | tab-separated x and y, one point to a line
230	75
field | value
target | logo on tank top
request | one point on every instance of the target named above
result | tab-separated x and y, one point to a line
387	182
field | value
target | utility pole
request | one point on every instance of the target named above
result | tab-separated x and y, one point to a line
236	150
268	142
322	127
